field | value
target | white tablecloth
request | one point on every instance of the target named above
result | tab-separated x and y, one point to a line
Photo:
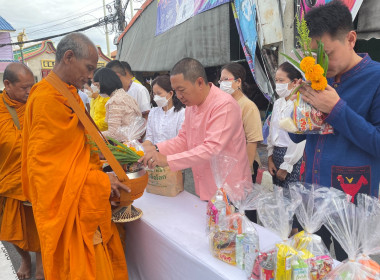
170	241
7	271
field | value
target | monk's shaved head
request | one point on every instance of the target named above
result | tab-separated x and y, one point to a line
76	59
18	80
14	70
78	43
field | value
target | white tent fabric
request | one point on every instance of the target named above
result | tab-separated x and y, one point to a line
7	271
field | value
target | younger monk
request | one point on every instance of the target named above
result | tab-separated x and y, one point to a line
212	126
16	219
63	179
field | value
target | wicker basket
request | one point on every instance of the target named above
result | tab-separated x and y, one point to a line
126	212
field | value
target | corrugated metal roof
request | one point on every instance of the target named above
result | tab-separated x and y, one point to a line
5	26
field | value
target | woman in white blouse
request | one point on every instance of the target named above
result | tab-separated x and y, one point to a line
164	121
121	108
284	156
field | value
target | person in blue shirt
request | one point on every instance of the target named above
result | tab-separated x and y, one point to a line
349	159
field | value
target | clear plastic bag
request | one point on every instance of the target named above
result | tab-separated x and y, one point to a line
276	211
356	229
133	132
221	166
313	259
222	241
244	196
302	118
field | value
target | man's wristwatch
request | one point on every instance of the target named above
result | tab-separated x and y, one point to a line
156	148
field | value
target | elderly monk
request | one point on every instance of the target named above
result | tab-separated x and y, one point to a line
63	178
212	126
16	219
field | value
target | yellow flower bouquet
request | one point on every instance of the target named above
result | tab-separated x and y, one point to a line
299	116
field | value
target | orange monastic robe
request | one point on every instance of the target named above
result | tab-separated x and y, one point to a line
16	220
69	192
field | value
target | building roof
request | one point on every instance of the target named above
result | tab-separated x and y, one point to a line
34	50
102	55
5	26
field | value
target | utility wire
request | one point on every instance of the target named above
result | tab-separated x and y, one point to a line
74	15
69	18
103	21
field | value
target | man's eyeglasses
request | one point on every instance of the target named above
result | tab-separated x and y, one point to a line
226	79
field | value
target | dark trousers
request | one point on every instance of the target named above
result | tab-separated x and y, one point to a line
252	214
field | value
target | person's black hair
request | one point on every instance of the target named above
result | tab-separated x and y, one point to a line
238	71
163	81
190	68
116	66
291	72
108	81
334	19
127	67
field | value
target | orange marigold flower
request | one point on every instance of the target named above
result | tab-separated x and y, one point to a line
319	84
140	153
133	149
307	63
314	73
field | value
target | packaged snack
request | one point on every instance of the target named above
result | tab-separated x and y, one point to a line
300	270
239	251
244	196
221	166
276	211
224	246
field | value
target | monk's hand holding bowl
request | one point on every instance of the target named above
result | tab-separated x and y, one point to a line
116	185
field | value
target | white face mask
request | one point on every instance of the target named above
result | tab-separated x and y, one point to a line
282	90
226	86
94	88
161	101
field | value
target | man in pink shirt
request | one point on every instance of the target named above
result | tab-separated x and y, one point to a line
212	126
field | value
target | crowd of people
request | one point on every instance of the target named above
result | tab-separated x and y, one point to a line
55	197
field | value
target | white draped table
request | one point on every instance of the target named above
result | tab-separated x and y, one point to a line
170	241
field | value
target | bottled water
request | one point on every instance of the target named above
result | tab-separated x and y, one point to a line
220	205
251	249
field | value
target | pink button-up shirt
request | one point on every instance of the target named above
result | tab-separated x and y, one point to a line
215	127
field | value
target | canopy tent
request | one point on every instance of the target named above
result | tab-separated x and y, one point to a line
369	20
205	36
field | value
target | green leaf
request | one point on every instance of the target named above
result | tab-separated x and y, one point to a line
326	65
297	55
320	53
291	60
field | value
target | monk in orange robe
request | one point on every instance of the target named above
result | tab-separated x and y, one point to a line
63	179
16	219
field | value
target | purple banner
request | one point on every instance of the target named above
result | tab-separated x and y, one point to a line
173	12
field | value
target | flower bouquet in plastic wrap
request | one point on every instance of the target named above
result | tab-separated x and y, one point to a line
313	260
221	240
299	116
356	228
276	211
244	196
